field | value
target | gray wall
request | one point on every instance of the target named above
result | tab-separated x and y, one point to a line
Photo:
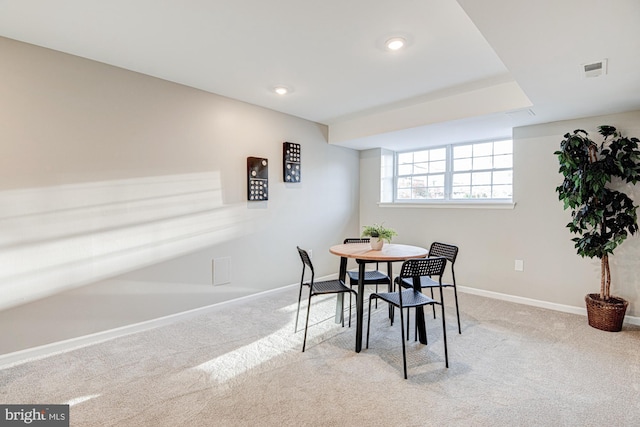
491	239
107	172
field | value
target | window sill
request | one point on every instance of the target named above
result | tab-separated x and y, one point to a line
450	205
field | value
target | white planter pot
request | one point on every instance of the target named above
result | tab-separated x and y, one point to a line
376	243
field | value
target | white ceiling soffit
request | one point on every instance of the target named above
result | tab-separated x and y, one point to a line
499	97
466	65
546	43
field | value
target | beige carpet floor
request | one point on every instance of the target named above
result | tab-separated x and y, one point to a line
240	364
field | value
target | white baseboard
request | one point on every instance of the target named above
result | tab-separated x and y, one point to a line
27	355
632	320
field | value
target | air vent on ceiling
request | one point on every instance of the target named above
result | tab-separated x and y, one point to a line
520	114
594	69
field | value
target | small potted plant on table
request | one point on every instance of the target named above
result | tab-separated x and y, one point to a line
378	234
601	216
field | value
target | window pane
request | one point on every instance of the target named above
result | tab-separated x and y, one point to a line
404	182
503	161
482	163
481	192
485	149
461	192
420	168
419	193
436	193
404	193
405	169
419	181
436	180
404	158
502	191
461	179
438	154
421	156
481	178
502	177
439	166
460	151
462	165
503	147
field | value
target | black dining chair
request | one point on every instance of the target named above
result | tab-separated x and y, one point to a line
371	277
412	270
450	252
317	288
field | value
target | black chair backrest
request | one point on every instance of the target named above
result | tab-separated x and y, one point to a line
438	249
416	267
306	259
357	240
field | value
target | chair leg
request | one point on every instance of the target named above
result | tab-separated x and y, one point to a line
444	338
350	287
350	308
295	328
306	324
455	294
408	316
392	288
369	322
376	298
404	351
415	330
433	307
342	296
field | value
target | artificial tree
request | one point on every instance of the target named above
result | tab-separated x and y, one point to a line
602	217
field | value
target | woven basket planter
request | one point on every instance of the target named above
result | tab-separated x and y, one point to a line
605	315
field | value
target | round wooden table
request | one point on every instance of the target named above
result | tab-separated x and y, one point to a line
363	254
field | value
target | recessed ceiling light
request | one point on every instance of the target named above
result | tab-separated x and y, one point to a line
282	90
395	43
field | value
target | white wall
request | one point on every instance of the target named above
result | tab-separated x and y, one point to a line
105	172
534	231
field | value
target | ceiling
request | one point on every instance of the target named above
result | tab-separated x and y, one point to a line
472	70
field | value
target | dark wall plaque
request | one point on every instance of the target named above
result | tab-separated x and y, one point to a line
258	179
291	162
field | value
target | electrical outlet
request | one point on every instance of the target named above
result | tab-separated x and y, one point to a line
310	252
519	266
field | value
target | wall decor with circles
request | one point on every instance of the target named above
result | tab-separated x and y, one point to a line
291	162
257	179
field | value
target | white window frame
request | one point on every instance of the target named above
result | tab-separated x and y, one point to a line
448	178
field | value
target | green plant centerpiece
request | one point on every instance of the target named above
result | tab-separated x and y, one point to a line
602	217
378	234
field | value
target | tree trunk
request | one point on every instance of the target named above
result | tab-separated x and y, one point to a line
605	278
602	278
